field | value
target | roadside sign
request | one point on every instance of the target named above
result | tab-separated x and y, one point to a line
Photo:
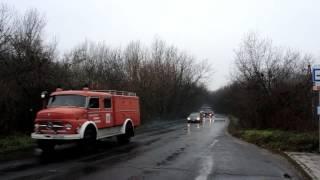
316	87
316	77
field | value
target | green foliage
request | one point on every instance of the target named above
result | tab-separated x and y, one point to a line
282	140
15	142
277	139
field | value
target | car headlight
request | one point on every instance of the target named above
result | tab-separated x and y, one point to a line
198	118
188	118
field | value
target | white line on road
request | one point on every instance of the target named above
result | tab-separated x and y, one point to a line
213	143
207	165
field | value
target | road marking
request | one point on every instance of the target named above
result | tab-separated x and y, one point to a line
207	165
213	143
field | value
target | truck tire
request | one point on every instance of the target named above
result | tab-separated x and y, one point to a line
89	137
125	138
46	146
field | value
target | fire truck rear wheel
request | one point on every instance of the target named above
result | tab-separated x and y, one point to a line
125	138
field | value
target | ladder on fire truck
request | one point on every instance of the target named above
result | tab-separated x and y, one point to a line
115	92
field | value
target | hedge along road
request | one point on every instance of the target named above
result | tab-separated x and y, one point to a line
175	150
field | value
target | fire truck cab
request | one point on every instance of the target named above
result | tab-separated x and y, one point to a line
86	116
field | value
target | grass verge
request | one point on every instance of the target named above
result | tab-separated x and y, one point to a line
277	139
15	142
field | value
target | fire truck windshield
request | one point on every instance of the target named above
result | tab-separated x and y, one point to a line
67	100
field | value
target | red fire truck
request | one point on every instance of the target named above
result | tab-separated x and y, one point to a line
86	116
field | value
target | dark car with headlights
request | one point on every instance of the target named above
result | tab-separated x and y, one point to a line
194	117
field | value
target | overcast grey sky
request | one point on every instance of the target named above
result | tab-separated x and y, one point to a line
207	29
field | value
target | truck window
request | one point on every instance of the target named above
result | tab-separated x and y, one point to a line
107	102
94	102
67	100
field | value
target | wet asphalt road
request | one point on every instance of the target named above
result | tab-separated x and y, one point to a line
175	150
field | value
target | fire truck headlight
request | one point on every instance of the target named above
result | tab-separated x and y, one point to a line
68	126
36	127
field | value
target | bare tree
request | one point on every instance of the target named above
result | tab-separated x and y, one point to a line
26	67
168	81
271	87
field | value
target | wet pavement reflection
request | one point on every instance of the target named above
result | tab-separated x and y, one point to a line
205	123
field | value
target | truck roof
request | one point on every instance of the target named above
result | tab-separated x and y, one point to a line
81	92
95	93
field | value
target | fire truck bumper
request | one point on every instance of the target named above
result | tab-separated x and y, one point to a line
56	136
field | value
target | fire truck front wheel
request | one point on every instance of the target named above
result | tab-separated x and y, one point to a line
89	137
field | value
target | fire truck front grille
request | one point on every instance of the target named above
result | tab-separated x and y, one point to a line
51	125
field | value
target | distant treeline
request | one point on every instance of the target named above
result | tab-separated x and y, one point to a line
169	82
271	87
